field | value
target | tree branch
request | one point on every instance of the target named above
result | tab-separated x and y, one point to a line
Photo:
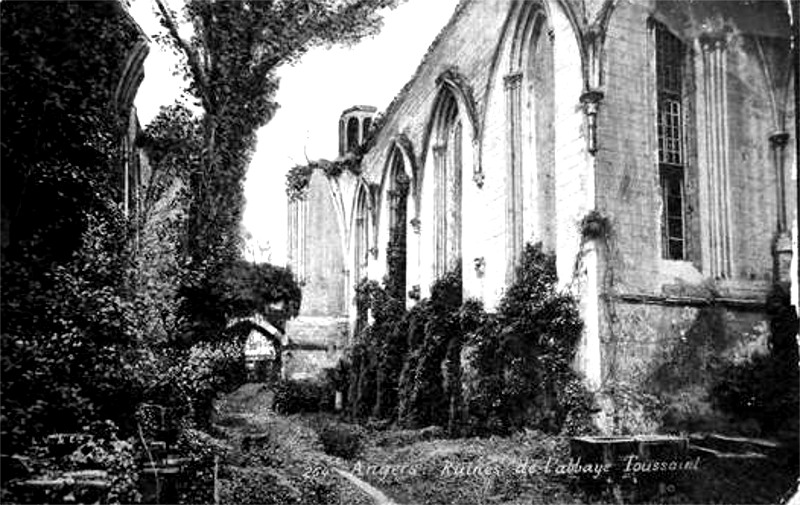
191	55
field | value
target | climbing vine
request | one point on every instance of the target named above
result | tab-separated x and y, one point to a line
299	176
396	248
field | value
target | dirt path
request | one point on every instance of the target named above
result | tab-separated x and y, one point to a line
373	492
283	451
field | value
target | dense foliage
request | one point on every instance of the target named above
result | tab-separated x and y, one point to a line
536	331
448	362
296	396
116	291
94	299
231	59
69	339
764	388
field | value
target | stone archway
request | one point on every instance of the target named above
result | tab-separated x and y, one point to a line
263	366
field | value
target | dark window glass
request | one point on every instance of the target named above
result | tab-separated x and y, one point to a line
352	133
670	53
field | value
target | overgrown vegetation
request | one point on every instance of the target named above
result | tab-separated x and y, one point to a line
299	176
448	362
764	388
116	291
302	396
230	66
71	338
523	468
274	459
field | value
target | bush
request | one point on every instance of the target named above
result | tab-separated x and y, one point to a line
764	388
521	370
190	380
377	357
196	482
470	371
302	396
341	440
425	394
70	351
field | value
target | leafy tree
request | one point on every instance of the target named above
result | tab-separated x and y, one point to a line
260	288
230	64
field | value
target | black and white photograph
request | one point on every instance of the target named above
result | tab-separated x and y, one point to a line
399	252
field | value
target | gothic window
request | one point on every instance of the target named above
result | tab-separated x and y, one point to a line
361	249
670	52
530	149
365	129
352	134
456	144
342	144
396	248
447	186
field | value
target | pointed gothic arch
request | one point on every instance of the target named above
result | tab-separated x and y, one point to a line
530	152
451	84
450	141
398	205
361	234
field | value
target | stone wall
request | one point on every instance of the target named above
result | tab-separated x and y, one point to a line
301	364
315	250
312	344
670	319
639	308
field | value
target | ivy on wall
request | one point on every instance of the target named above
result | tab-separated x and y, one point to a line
450	363
299	176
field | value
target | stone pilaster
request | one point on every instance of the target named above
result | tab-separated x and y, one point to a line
439	209
514	194
715	184
782	247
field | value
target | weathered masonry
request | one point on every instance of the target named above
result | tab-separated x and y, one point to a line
645	142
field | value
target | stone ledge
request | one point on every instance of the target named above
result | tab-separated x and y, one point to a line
691	301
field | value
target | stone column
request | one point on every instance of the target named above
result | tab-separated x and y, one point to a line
591	104
594	261
453	195
413	267
782	247
439	210
514	194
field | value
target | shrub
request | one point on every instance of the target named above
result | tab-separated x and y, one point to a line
190	380
521	358
196	482
765	387
70	351
341	440
433	325
471	371
106	451
302	396
377	357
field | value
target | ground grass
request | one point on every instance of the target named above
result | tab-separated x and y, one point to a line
512	470
290	459
275	459
467	471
